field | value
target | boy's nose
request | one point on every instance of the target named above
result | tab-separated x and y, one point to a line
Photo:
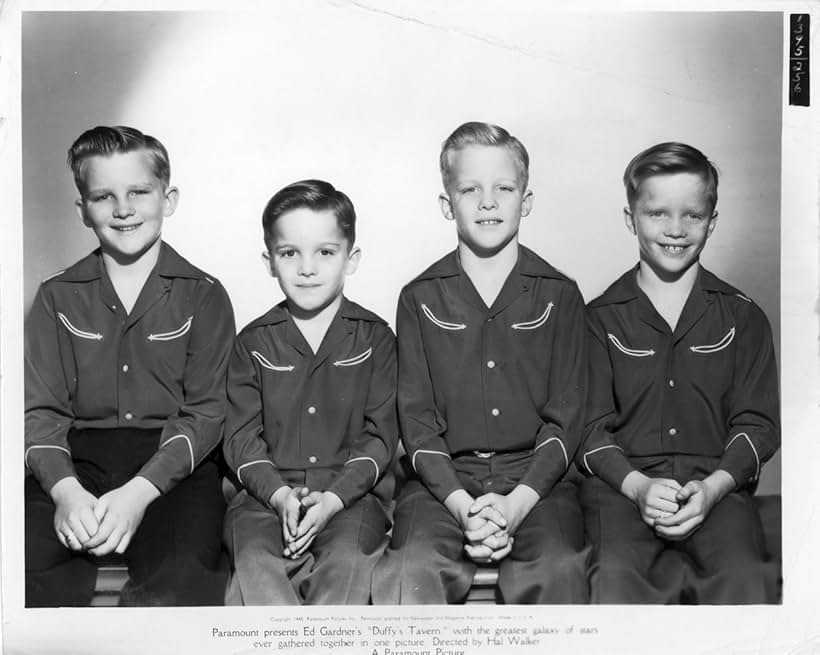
307	266
675	226
488	201
123	208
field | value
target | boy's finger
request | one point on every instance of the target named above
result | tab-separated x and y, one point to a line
663	505
123	545
301	543
76	527
89	521
481	502
304	547
103	533
478	553
491	513
500	554
480	534
681	531
672	484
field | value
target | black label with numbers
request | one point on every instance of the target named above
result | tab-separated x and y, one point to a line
799	60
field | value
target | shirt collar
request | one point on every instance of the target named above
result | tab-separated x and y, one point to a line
626	288
169	264
528	264
348	309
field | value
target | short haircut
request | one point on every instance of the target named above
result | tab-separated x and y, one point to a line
105	141
666	159
315	195
483	134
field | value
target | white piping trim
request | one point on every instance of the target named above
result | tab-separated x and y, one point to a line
358	359
370	459
632	352
256	461
53	275
715	347
441	324
560	443
173	334
273	367
595	450
538	322
209	279
429	452
742	297
30	448
190	448
80	333
751	445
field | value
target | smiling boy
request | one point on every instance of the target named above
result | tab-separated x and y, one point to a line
491	383
683	407
126	353
311	427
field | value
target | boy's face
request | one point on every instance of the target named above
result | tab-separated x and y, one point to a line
310	258
124	203
672	219
485	198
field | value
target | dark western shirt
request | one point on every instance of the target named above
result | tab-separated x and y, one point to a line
506	378
332	412
708	388
89	364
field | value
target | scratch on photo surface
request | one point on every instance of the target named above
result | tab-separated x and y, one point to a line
513	47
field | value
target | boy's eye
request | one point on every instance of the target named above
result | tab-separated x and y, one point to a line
506	188
100	197
326	252
694	217
286	253
656	213
469	189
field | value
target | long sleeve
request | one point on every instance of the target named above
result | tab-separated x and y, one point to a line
372	449
754	411
245	449
192	432
599	453
558	438
49	415
422	424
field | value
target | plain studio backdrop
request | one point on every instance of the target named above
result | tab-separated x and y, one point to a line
247	103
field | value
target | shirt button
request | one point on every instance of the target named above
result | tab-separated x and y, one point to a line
312	459
311	410
128	416
671	383
125	368
491	364
495	411
672	432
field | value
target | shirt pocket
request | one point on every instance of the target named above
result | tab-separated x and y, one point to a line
634	369
711	360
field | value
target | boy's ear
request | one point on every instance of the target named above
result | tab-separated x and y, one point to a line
267	260
446	206
526	203
353	258
712	224
78	207
171	200
629	220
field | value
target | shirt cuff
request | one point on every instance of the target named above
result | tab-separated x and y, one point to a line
548	464
261	478
50	466
436	471
356	479
608	463
741	460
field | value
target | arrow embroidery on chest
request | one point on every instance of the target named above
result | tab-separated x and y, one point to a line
713	348
273	367
353	361
173	334
537	323
440	323
96	336
632	352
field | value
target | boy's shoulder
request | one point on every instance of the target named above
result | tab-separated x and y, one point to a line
529	264
279	314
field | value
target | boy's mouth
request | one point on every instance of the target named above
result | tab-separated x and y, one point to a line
673	249
489	221
126	228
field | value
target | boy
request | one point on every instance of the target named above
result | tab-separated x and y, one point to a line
311	427
126	354
491	381
683	407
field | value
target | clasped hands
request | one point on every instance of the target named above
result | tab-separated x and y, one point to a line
672	510
490	521
303	514
101	525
